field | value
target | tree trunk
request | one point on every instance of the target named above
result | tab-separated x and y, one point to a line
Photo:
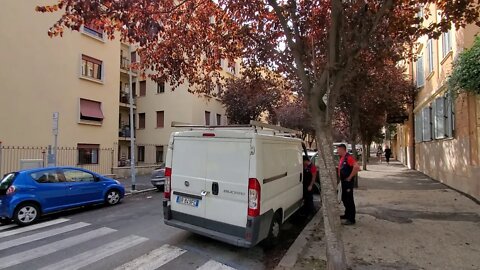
328	180
365	154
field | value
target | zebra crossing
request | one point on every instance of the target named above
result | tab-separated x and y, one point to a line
25	247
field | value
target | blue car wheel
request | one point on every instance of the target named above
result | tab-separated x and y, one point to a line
26	214
112	197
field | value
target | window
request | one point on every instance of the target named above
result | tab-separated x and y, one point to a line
160	87
160	119
219	119
219	89
446	43
91	110
88	153
420	11
49	176
450	116
420	72
133	57
91	67
141	120
143	88
141	153
159	154
430	56
134	89
427	124
92	30
440	117
78	176
418	127
207	118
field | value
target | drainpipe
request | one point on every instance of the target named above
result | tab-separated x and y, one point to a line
132	128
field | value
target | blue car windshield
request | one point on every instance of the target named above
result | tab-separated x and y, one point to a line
7	181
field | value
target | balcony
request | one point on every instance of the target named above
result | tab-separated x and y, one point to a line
124	133
125	65
124	99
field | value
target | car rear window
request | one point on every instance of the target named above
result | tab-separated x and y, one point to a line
6	182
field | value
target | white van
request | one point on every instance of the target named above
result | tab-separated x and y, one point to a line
234	184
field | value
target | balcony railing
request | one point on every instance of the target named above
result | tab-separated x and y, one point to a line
125	98
124	132
124	63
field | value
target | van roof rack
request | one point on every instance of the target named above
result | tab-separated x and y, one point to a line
253	124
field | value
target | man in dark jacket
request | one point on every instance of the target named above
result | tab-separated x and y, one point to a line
347	170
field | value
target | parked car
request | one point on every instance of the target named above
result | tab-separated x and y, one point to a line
233	185
26	195
158	178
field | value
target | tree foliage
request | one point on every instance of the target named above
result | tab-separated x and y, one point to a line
295	115
253	95
466	70
315	43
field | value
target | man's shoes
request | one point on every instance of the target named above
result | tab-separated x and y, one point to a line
343	217
348	222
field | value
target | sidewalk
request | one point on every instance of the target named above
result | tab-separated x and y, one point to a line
405	220
142	183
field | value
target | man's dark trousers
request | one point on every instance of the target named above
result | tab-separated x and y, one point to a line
309	208
347	199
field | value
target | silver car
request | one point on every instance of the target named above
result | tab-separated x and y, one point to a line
158	178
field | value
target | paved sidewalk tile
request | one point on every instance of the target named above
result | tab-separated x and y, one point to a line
405	220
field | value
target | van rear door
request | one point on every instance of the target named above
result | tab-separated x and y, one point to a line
189	169
228	165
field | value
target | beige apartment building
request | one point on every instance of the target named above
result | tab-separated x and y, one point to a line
85	78
441	138
76	76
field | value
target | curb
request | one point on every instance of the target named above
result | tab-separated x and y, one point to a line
298	247
139	191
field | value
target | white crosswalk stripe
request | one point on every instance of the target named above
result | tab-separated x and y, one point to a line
154	259
32	227
214	265
41	235
47	249
5	227
97	254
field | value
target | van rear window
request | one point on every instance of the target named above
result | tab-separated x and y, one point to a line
6	182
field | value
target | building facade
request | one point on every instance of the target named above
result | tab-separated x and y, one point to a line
441	137
75	76
85	78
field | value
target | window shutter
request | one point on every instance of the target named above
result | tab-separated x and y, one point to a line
418	127
427	124
440	118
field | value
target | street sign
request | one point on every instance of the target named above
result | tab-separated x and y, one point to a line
55	123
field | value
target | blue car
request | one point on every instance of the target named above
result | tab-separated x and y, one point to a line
26	195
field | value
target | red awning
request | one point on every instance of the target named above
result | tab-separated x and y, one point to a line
91	109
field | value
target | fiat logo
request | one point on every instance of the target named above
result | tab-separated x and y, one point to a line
187	183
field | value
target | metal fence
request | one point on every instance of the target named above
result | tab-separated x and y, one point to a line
11	158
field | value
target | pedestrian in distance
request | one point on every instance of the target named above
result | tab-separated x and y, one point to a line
347	170
379	153
388	154
309	176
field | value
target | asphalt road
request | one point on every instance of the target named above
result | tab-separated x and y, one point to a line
130	235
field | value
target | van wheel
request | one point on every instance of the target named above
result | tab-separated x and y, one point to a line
274	232
26	214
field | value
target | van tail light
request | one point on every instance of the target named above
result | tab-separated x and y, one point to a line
253	197
11	190
168	183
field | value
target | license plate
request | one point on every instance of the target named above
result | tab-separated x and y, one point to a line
187	201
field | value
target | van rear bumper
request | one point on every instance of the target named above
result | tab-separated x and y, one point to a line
256	229
229	239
